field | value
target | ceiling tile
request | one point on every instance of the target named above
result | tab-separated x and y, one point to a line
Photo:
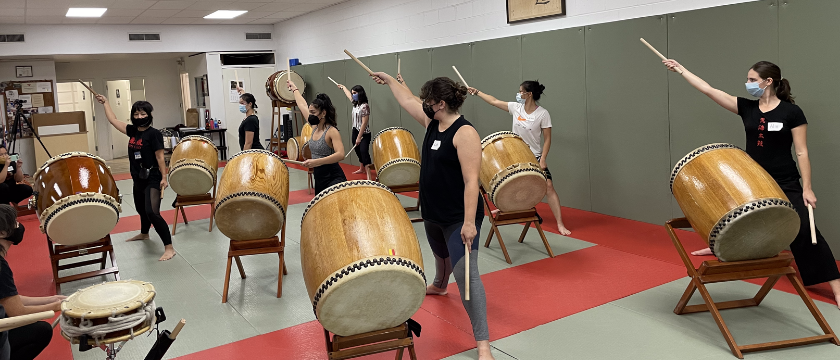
44	19
201	21
12	4
178	21
236	21
176	5
242	6
46	12
274	7
148	20
193	13
306	7
91	3
13	12
122	12
132	4
283	15
11	19
158	13
116	20
48	4
264	21
253	15
208	5
75	20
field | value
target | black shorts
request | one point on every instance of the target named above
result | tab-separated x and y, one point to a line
545	170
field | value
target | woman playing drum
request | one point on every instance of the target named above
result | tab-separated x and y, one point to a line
529	121
325	144
361	126
249	129
772	123
148	170
449	198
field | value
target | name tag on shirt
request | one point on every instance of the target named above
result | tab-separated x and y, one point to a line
137	156
11	169
436	145
775	126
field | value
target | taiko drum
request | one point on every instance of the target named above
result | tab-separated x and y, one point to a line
509	172
275	86
396	157
193	166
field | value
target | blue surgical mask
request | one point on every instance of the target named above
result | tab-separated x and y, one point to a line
243	109
519	98
355	97
754	89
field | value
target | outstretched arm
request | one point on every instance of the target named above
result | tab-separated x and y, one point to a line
112	118
301	102
723	99
489	99
346	92
404	97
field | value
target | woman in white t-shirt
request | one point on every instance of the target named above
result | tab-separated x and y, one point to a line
361	126
530	121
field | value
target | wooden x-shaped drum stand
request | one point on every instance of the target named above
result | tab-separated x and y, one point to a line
189	200
509	218
239	248
714	271
64	252
409	188
374	342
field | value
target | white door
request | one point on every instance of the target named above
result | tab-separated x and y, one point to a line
119	95
73	96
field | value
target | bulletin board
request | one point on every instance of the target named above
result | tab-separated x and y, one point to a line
40	100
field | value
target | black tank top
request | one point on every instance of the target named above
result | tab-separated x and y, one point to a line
441	181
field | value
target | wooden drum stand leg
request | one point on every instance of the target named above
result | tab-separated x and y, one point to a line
409	188
62	252
188	200
509	218
347	347
255	247
713	271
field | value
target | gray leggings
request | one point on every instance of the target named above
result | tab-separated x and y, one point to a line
448	248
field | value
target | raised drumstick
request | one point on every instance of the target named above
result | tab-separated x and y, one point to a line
351	150
398	65
657	53
288	69
459	75
359	62
813	227
88	88
466	268
336	84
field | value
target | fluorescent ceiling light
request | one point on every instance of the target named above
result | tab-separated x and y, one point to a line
85	12
225	14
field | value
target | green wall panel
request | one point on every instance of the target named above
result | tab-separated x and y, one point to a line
460	56
335	70
314	81
808	57
416	70
627	113
383	107
712	53
496	70
557	59
300	70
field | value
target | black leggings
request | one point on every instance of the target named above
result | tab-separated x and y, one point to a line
14	193
363	150
147	203
26	342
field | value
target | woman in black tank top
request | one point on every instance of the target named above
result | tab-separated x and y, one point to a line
449	198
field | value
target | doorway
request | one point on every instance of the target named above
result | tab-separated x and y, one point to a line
121	95
72	96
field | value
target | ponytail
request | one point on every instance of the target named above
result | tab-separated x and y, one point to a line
768	70
783	91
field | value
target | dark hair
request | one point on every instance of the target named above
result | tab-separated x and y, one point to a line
768	70
141	105
362	95
444	89
534	87
249	98
322	102
8	220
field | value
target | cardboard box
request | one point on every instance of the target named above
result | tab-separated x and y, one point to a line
192	118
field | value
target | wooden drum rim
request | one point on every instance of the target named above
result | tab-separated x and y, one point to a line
68	155
197	137
252	194
147	291
737	212
397	161
694	154
341	186
70	201
194	163
489	139
389	129
511	171
261	151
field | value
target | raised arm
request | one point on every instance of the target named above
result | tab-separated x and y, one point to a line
402	81
489	99
404	97
468	145
346	92
109	114
301	102
723	99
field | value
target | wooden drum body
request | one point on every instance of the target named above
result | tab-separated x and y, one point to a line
77	199
253	195
396	157
91	307
193	166
510	173
275	86
361	260
732	202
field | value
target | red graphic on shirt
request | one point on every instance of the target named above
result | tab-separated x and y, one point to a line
135	143
760	127
760	143
520	118
761	136
762	120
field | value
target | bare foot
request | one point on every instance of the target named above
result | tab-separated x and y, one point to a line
434	290
705	251
484	350
140	236
168	253
359	171
563	230
835	287
494	212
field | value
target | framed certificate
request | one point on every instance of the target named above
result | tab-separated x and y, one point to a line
521	10
23	71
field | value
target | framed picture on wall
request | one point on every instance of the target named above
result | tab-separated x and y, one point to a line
521	10
23	71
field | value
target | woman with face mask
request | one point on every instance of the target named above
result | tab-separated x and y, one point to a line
325	144
449	199
25	342
772	123
148	170
249	129
529	122
361	126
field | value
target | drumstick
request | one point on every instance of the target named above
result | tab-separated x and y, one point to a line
336	84
288	69
351	150
293	161
177	329
398	66
57	320
88	87
467	269
459	75
359	62
657	52
813	227
22	320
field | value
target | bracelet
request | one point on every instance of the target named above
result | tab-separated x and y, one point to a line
295	90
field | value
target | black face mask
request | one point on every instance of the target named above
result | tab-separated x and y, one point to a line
17	236
313	120
141	122
427	109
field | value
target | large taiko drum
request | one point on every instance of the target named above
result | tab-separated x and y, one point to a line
733	203
395	157
275	86
252	196
366	277
77	200
108	313
193	166
510	173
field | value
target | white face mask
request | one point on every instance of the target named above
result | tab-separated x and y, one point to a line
519	98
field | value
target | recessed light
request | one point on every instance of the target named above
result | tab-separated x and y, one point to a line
225	14
85	12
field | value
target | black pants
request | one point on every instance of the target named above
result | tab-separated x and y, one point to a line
14	193
26	342
147	203
327	175
816	262
363	150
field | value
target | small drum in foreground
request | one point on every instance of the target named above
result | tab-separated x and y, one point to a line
293	149
510	173
275	86
109	312
193	166
733	203
77	199
395	157
252	196
362	265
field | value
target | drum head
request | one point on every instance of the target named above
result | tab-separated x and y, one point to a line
519	192
190	180
249	218
73	225
371	298
756	234
292	149
100	301
400	173
282	91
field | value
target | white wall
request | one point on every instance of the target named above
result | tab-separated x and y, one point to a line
195	66
371	27
113	39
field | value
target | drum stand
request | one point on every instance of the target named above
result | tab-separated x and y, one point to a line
189	200
347	347
275	144
509	218
62	252
713	271
255	247
409	188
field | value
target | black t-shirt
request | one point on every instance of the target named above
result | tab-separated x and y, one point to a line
142	146
252	124
7	280
769	136
441	180
10	173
